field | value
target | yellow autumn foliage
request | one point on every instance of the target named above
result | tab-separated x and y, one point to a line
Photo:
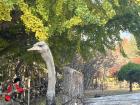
4	11
73	22
33	23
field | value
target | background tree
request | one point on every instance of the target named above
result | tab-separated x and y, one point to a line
129	72
94	68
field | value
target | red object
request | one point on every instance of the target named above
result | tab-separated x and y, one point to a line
19	89
7	98
9	89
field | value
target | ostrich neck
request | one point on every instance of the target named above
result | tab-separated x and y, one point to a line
48	58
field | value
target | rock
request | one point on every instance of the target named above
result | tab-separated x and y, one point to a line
73	86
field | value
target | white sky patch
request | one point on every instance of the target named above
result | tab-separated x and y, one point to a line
125	34
84	37
94	1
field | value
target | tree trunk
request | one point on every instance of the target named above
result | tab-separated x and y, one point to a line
130	86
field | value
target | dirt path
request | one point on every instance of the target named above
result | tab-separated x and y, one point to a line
125	99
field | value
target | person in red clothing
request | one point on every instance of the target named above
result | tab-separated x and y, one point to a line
13	89
17	86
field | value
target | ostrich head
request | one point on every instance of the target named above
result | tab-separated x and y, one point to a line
40	47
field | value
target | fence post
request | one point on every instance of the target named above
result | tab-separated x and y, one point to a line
73	87
29	79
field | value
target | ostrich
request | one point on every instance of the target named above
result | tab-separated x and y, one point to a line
46	54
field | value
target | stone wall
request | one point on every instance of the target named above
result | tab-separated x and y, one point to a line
73	87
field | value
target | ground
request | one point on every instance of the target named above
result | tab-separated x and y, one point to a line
106	97
112	97
124	99
94	93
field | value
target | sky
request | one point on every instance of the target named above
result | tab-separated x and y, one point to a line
125	34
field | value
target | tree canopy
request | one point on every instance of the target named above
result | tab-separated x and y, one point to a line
77	26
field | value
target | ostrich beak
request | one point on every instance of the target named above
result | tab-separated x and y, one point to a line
33	49
30	49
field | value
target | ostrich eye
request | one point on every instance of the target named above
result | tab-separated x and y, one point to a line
40	45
